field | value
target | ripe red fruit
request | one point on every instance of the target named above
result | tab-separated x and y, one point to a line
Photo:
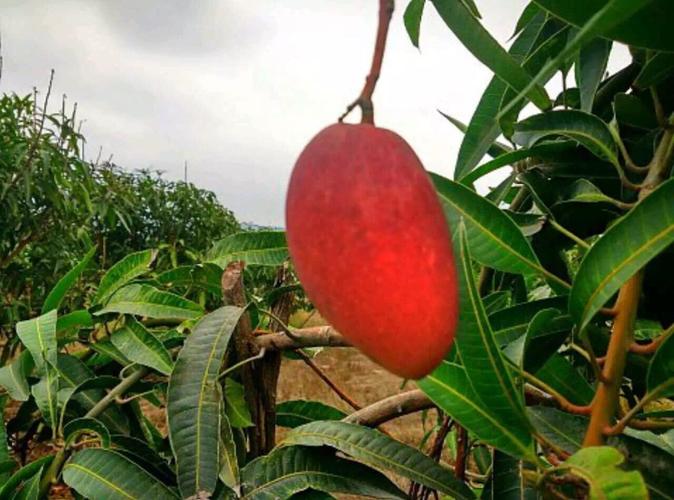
371	246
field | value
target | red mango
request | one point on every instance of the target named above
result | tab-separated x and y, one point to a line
372	248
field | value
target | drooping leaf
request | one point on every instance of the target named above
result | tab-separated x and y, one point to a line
58	293
261	248
100	473
632	111
130	267
412	19
13	376
289	470
236	407
484	365
625	248
482	45
140	452
45	393
378	450
39	337
590	69
229	461
495	240
140	346
496	148
145	300
299	412
600	467
194	401
448	387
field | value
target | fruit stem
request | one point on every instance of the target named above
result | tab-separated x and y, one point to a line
364	100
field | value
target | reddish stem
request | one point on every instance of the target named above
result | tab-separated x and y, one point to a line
365	98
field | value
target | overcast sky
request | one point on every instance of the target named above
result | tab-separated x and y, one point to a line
236	88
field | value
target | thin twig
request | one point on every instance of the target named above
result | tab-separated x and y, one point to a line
336	389
364	100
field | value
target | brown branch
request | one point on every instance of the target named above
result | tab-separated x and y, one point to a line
365	98
320	336
391	408
336	389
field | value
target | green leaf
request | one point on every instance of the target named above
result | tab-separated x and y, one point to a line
235	405
31	487
484	128
13	377
583	191
23	474
510	323
45	393
86	425
299	412
449	388
202	276
130	267
507	480
57	294
590	69
140	452
548	149
587	129
603	20
290	470
546	333
634	112
144	300
194	401
482	45
229	470
99	473
481	356
73	374
562	376
661	369
39	337
4	449
624	249
412	19
378	450
495	239
261	248
496	149
600	467
141	347
656	70
76	319
644	24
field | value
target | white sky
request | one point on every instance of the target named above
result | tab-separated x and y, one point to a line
237	88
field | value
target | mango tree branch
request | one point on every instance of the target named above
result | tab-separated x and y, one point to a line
391	408
335	388
321	336
627	419
606	398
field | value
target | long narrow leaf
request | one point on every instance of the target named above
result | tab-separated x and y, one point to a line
194	401
130	267
57	294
